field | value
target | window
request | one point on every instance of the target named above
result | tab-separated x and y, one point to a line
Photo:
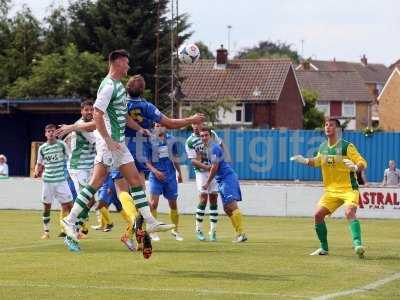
324	107
248	114
379	88
238	115
244	113
349	109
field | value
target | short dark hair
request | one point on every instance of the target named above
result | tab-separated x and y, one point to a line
114	55
50	126
86	103
336	121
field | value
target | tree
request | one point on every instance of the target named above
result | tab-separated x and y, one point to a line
211	109
70	74
269	49
83	71
4	8
312	117
22	34
107	25
94	27
205	53
4	42
24	43
56	35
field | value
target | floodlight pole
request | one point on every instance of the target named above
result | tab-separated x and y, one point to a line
174	52
157	69
172	59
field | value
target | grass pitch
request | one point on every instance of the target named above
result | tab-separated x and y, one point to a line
273	264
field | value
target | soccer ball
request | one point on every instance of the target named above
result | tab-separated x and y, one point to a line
188	53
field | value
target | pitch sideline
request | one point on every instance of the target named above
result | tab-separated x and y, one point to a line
365	288
143	289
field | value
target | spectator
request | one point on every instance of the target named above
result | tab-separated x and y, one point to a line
3	166
391	175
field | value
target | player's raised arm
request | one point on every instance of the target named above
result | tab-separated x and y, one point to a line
179	123
132	124
64	129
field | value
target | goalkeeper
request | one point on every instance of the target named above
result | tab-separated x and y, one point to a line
339	161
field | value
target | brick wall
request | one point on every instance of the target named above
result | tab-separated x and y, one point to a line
262	115
389	105
362	116
288	111
372	89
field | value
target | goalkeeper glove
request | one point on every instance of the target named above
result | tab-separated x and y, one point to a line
350	165
300	159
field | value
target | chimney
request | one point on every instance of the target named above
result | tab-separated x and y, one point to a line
306	65
364	60
222	57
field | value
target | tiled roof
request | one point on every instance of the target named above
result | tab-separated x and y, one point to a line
244	79
394	65
378	73
335	85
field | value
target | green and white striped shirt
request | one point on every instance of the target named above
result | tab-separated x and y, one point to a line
111	99
83	149
54	159
194	145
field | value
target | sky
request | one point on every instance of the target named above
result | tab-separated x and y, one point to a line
320	29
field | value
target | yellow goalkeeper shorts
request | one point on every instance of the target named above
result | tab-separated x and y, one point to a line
333	200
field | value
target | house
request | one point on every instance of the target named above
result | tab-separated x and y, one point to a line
389	102
374	75
394	65
341	94
264	92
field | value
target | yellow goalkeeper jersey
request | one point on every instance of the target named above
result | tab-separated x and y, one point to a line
336	176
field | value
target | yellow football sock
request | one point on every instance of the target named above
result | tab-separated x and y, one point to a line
63	214
236	219
126	217
129	221
106	215
173	214
99	217
128	205
154	213
102	221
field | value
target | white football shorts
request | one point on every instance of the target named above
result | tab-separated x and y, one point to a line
201	179
58	191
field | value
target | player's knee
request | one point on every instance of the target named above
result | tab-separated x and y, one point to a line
203	198
213	199
228	209
153	204
172	204
350	213
319	217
